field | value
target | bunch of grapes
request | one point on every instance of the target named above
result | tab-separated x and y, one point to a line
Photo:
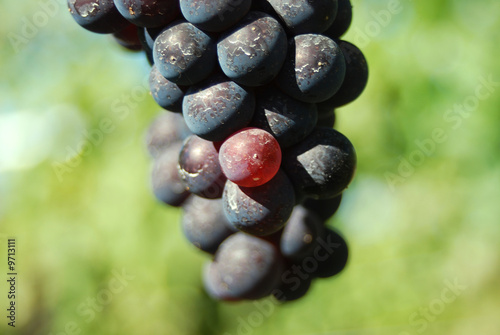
247	145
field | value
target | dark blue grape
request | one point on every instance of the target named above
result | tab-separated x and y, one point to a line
314	69
291	287
306	16
214	15
342	20
287	119
204	223
300	234
148	50
217	108
245	267
165	180
167	94
98	16
165	130
148	13
260	210
331	256
356	77
199	168
128	38
253	52
323	208
184	54
322	165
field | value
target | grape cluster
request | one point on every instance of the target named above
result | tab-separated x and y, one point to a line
246	145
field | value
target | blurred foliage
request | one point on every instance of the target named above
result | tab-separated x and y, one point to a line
436	223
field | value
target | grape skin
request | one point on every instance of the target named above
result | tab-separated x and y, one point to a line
98	16
355	80
244	267
199	168
306	16
337	256
250	157
253	52
322	165
260	210
167	94
323	208
165	180
314	69
287	119
214	15
165	130
217	107
300	233
342	21
184	54
148	13
204	223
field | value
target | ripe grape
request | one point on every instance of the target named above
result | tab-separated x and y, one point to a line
98	16
184	54
314	69
250	157
292	288
217	107
260	210
214	15
306	16
148	13
165	180
356	77
322	165
287	119
342	20
167	94
199	168
245	267
334	248
300	233
165	130
253	52
204	223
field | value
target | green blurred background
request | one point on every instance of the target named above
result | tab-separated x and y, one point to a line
96	254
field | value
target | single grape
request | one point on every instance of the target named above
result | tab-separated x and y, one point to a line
199	168
322	165
245	267
306	16
314	69
253	52
331	255
287	119
167	94
214	15
356	77
204	223
250	157
291	287
165	130
342	21
148	13
323	208
165	180
184	54
217	107
260	210
300	234
98	16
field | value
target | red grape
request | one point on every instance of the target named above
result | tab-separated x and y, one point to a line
250	157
